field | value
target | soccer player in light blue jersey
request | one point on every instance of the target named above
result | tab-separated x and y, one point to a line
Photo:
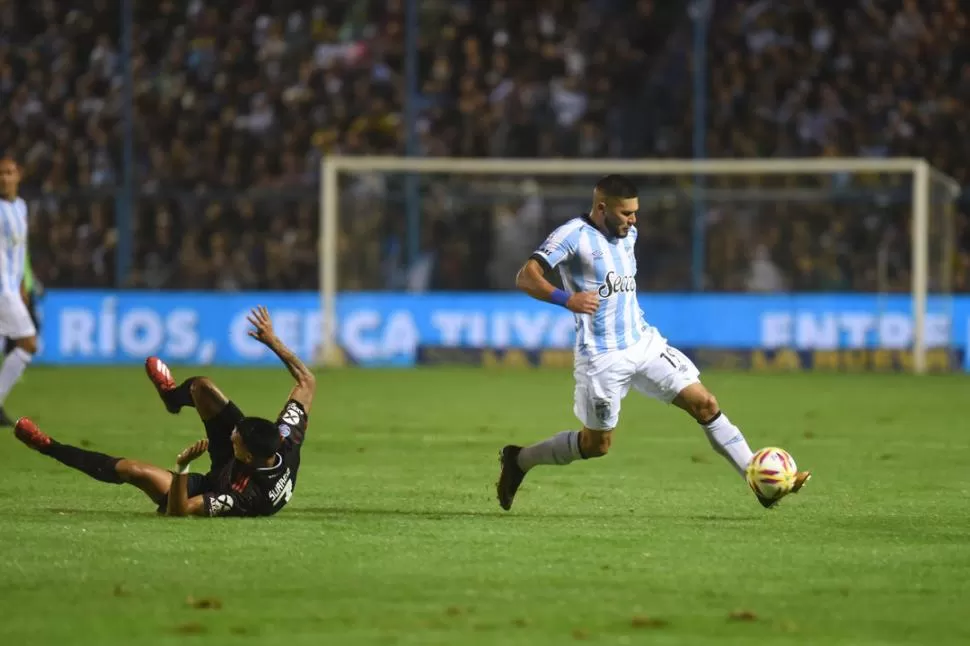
616	348
16	322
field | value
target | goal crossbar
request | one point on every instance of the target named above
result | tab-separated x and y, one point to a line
922	172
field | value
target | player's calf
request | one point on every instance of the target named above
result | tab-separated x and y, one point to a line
560	449
154	481
725	438
97	465
698	402
563	448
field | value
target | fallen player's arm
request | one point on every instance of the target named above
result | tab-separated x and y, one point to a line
179	503
306	383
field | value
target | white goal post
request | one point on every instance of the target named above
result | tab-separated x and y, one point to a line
923	175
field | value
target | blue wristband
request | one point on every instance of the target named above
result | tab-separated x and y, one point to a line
559	297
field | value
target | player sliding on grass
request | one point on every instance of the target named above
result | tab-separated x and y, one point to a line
254	461
615	348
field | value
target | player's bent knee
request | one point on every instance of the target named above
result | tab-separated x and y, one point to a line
201	387
698	402
205	393
28	344
207	398
705	408
595	444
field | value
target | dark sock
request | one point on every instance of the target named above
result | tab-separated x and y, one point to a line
97	465
180	396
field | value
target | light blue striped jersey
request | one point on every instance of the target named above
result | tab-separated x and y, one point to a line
13	244
588	260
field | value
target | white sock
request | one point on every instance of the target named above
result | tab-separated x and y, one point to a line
726	438
13	367
561	448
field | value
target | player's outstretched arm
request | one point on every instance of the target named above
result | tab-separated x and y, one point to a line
179	503
306	383
531	279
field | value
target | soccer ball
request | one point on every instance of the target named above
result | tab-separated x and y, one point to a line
771	473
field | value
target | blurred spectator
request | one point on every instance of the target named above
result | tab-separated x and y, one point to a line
237	103
764	275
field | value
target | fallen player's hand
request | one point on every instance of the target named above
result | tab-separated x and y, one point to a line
262	325
583	302
191	453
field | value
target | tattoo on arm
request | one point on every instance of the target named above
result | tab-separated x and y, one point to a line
305	381
290	360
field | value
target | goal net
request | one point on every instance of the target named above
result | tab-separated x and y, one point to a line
846	262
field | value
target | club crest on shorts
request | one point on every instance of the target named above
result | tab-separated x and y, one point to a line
603	407
220	504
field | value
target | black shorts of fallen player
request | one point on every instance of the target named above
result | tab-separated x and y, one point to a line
198	484
218	430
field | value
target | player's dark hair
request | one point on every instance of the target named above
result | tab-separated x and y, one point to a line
260	436
617	187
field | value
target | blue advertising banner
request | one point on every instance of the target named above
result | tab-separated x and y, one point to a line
91	327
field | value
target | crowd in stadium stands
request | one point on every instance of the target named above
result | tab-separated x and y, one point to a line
236	103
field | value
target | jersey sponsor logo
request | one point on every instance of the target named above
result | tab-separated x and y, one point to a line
220	505
292	415
285	430
616	284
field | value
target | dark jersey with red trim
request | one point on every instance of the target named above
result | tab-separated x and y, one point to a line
242	490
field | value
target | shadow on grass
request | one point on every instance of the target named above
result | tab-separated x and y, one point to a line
299	513
336	512
712	518
578	514
105	513
440	514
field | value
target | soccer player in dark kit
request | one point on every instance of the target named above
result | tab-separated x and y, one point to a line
254	461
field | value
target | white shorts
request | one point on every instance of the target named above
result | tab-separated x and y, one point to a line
651	367
15	321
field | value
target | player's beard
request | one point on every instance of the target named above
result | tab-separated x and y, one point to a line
615	229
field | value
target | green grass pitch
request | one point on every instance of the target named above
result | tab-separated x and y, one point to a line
394	536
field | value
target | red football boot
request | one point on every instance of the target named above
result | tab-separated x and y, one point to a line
28	433
161	377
